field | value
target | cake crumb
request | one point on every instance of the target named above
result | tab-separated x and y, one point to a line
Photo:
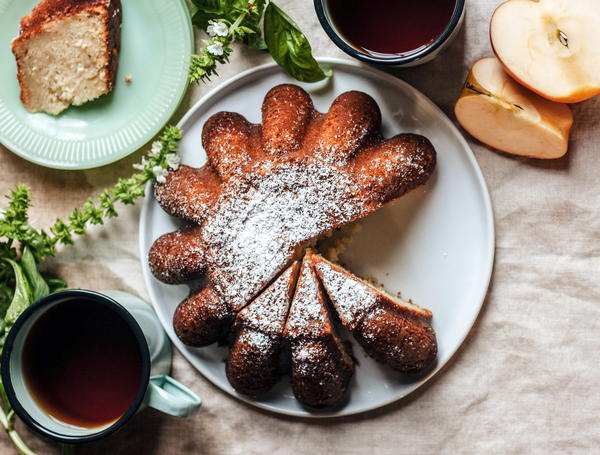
372	280
129	79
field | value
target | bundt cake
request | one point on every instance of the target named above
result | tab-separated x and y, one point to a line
253	364
321	368
390	330
67	53
268	191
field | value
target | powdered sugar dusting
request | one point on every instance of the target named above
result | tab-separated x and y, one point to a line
267	313
306	351
254	230
269	191
308	316
352	299
253	341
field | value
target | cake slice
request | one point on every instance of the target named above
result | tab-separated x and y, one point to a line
390	330
321	366
67	53
253	362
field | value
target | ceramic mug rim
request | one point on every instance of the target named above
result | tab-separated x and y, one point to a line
326	23
8	351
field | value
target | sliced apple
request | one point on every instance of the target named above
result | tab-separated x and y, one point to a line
506	116
550	46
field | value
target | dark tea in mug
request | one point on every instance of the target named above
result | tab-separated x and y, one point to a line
82	363
390	28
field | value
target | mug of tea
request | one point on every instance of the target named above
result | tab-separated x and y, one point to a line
76	366
391	32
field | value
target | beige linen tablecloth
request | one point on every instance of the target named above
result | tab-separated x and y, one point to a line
527	380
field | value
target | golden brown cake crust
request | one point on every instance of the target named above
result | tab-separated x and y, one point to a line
203	315
268	190
253	362
399	335
51	10
321	366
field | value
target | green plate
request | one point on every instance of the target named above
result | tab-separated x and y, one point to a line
156	42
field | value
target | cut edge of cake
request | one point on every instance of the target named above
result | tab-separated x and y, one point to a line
377	292
392	331
67	53
321	364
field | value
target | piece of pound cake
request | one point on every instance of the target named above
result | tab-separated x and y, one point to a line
253	361
67	53
390	330
321	365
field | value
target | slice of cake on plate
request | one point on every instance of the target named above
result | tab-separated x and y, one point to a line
321	366
390	330
253	361
67	53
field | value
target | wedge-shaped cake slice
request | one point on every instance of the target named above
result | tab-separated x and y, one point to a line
67	53
253	362
390	330
321	366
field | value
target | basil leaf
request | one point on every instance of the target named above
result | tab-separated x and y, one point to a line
21	298
39	287
6	404
6	295
248	30
212	6
209	9
289	47
256	41
56	284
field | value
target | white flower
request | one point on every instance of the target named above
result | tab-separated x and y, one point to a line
215	48
156	148
216	28
141	166
160	173
173	161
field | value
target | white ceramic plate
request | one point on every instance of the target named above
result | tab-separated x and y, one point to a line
435	245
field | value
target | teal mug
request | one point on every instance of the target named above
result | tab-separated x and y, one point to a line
77	365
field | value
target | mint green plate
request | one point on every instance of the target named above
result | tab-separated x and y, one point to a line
156	42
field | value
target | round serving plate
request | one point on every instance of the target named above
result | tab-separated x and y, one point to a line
434	245
156	43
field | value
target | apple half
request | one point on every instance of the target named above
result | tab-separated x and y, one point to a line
550	46
499	112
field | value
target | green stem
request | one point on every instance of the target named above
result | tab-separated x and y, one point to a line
19	444
237	23
7	422
4	419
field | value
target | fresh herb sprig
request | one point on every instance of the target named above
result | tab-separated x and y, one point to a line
227	21
23	247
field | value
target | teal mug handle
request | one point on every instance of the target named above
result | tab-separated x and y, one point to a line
171	397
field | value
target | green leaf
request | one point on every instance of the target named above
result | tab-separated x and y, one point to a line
56	284
39	287
22	296
5	403
6	295
6	279
256	42
289	47
210	9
